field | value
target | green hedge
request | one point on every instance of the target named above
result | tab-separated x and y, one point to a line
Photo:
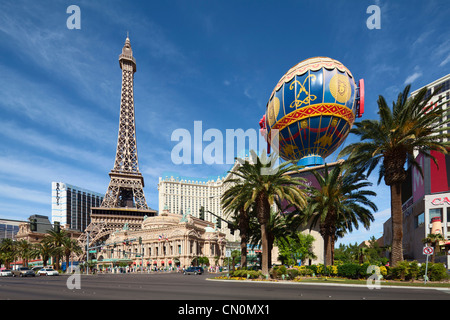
405	270
410	270
250	274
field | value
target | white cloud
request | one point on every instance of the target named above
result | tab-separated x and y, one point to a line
40	104
53	145
445	61
412	78
25	194
33	170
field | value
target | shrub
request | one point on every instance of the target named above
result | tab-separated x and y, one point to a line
414	270
401	270
292	273
274	272
313	269
348	270
303	271
250	274
282	270
436	271
278	271
383	271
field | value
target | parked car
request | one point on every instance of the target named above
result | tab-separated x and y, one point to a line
193	270
5	273
36	269
23	272
48	272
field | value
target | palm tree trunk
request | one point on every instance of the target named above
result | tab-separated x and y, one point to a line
333	242
328	252
265	250
397	224
270	241
263	209
243	230
243	250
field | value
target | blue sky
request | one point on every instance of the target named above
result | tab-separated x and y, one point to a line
210	61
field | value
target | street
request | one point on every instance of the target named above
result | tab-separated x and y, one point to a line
175	286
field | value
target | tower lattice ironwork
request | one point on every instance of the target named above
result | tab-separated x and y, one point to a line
124	204
126	186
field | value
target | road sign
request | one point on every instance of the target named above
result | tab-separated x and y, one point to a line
428	250
228	253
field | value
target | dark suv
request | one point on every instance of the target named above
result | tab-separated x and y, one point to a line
193	270
23	272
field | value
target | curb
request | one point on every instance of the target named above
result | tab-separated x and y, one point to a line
333	284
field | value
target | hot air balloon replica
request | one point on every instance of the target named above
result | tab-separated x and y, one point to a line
311	110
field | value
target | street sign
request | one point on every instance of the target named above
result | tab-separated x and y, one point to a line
428	251
228	253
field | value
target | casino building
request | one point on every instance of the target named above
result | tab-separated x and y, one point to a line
71	205
426	200
164	241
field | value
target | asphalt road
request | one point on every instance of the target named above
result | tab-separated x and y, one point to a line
173	286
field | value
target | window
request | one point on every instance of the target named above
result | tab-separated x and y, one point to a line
419	220
437	212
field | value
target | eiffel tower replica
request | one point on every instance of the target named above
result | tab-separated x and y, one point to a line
124	204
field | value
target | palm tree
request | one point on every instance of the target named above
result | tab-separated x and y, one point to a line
25	251
338	205
8	251
55	240
278	227
433	240
413	125
233	202
70	246
262	183
43	249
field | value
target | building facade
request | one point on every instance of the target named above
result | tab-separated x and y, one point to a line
425	198
164	241
442	98
9	228
71	205
183	194
186	195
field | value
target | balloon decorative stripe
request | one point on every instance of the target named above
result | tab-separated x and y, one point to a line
316	110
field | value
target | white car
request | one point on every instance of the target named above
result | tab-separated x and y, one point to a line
48	272
5	273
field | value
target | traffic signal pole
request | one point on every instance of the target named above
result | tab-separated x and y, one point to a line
224	220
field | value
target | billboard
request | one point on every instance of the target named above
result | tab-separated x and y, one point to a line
439	175
417	179
436	178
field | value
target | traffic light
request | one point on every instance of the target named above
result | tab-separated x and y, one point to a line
230	226
57	226
33	225
202	213
219	223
